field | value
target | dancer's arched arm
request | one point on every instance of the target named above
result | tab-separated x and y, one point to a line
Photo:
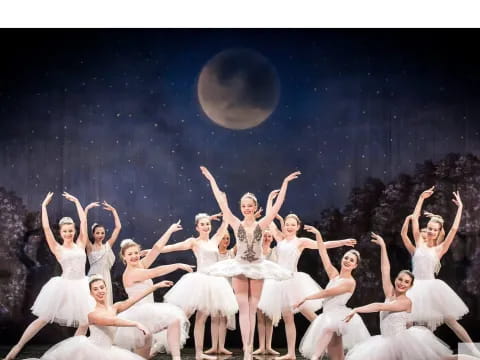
124	305
456	224
88	244
138	275
118	224
180	246
270	215
384	265
394	306
416	214
52	243
276	233
347	285
221	199
83	234
220	232
157	248
404	233
322	250
306	243
102	320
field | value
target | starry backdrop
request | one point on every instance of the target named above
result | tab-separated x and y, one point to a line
114	115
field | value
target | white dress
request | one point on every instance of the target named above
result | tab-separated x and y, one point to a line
278	296
66	299
332	319
399	343
97	346
249	260
229	254
101	261
209	294
155	316
433	300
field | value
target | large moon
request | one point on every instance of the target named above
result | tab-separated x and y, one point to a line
238	89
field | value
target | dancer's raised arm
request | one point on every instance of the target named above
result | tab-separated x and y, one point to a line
416	214
403	304
404	233
88	244
52	243
222	229
444	246
307	243
270	215
125	304
384	265
148	260
83	234
221	198
118	224
331	271
144	274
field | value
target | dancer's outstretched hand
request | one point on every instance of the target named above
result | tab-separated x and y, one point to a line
92	205
47	199
427	193
258	213
175	227
163	284
69	197
185	267
300	303
142	328
216	217
377	239
144	253
349	316
349	242
457	200
206	173
311	229
107	206
292	176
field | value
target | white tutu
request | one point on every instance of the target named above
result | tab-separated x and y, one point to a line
64	301
97	346
352	332
433	301
278	296
415	343
209	294
156	317
259	269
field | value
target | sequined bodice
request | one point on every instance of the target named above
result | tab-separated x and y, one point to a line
338	300
72	260
249	245
206	254
102	258
392	323
425	263
140	287
288	254
102	335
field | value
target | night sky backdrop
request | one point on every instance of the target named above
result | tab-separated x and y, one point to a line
114	115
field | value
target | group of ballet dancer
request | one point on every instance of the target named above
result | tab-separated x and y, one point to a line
251	278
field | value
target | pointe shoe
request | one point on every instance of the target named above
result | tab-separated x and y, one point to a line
224	351
287	356
259	351
270	351
203	356
211	351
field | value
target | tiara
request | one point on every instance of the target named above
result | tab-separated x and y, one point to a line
201	216
251	196
66	220
127	242
95	277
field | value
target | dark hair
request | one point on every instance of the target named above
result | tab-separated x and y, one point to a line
409	273
95	278
95	226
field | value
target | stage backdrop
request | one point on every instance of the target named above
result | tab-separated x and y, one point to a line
370	117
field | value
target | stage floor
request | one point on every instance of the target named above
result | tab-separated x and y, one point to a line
37	351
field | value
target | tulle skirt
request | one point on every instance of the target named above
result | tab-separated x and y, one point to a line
433	301
332	319
82	348
416	343
209	294
156	317
278	296
64	301
260	269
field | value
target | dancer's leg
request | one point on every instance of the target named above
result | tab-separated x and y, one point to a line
27	335
144	351
322	344
199	333
81	330
173	339
268	337
462	334
214	334
255	287
222	334
309	314
290	333
335	348
261	333
240	285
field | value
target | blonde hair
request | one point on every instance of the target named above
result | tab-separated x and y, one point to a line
438	220
66	220
124	245
293	216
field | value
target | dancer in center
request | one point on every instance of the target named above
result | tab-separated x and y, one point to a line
248	269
